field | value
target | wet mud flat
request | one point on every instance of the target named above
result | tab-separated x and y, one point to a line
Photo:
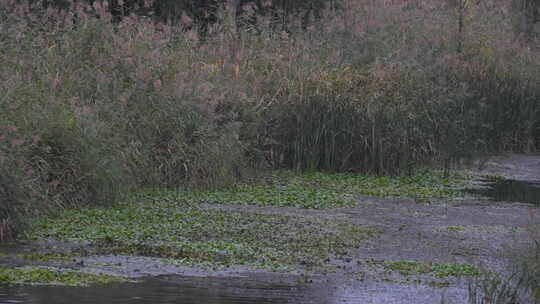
418	253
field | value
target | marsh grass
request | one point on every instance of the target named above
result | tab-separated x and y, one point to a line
520	287
92	108
521	284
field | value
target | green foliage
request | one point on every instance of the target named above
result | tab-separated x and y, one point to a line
278	196
317	190
447	270
436	269
428	184
51	276
42	257
456	228
165	227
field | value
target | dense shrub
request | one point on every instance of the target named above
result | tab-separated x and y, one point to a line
89	112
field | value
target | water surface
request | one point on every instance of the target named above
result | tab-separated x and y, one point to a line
511	190
156	290
189	290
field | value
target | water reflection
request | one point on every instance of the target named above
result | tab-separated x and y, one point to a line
511	190
150	292
395	293
174	289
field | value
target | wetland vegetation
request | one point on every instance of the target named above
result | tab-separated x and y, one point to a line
183	224
261	135
52	276
95	107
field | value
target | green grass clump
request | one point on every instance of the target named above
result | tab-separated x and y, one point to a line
52	276
191	233
436	269
427	184
456	228
42	257
482	229
319	190
280	196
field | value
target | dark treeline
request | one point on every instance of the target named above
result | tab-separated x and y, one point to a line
204	13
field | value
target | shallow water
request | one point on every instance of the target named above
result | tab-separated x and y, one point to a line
511	190
176	289
157	290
